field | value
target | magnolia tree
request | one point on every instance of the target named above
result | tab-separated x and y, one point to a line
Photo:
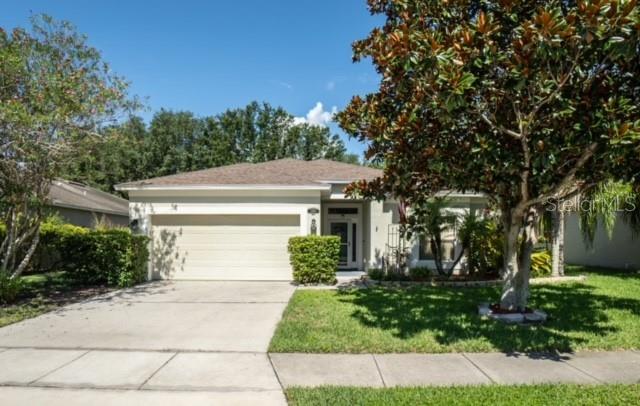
525	101
54	90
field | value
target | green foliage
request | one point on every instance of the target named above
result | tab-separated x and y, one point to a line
389	275
113	257
420	273
601	313
525	102
429	219
541	264
377	274
314	258
10	288
603	204
484	240
56	91
557	394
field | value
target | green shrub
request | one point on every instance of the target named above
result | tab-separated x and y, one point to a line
377	274
9	288
420	273
540	264
380	274
106	256
314	258
483	239
113	257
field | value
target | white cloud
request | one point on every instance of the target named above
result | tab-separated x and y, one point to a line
317	116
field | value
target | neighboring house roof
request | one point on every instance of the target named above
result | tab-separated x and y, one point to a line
283	172
75	195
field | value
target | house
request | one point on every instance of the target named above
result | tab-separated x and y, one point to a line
234	222
620	250
85	206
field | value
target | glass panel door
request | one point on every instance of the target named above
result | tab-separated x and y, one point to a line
341	229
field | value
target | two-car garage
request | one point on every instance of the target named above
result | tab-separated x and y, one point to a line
222	247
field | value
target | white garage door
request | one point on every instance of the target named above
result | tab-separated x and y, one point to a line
223	247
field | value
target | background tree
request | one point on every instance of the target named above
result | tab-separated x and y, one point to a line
523	101
178	141
168	147
104	160
54	91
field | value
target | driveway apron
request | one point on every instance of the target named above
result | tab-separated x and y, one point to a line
196	342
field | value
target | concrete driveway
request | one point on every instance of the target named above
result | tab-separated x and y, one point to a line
181	342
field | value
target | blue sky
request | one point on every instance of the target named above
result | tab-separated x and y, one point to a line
207	56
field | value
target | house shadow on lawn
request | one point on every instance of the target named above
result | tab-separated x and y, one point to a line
578	313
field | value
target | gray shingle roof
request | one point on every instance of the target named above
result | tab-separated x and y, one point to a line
283	172
64	193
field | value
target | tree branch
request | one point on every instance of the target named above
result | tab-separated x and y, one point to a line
500	128
569	180
557	90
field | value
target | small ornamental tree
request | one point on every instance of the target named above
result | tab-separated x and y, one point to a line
54	91
525	101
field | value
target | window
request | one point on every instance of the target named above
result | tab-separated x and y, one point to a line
448	246
353	242
448	250
343	210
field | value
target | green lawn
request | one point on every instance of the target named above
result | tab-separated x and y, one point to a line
602	313
43	293
478	395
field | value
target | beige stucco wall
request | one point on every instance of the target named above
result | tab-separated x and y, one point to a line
380	215
144	204
621	251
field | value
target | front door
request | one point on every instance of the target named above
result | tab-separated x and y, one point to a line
347	231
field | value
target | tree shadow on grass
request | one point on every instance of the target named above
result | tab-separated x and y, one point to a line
578	313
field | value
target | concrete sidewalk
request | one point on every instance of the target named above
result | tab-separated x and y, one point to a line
78	376
387	370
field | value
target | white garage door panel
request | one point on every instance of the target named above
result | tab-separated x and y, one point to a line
223	247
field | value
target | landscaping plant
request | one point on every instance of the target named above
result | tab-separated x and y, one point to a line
430	220
314	258
524	101
483	240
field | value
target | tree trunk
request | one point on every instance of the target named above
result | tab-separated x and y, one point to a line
555	242
561	243
517	259
27	258
512	224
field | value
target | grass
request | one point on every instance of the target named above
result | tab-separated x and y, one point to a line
471	395
43	293
602	313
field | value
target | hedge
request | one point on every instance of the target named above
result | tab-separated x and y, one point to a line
114	257
314	259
